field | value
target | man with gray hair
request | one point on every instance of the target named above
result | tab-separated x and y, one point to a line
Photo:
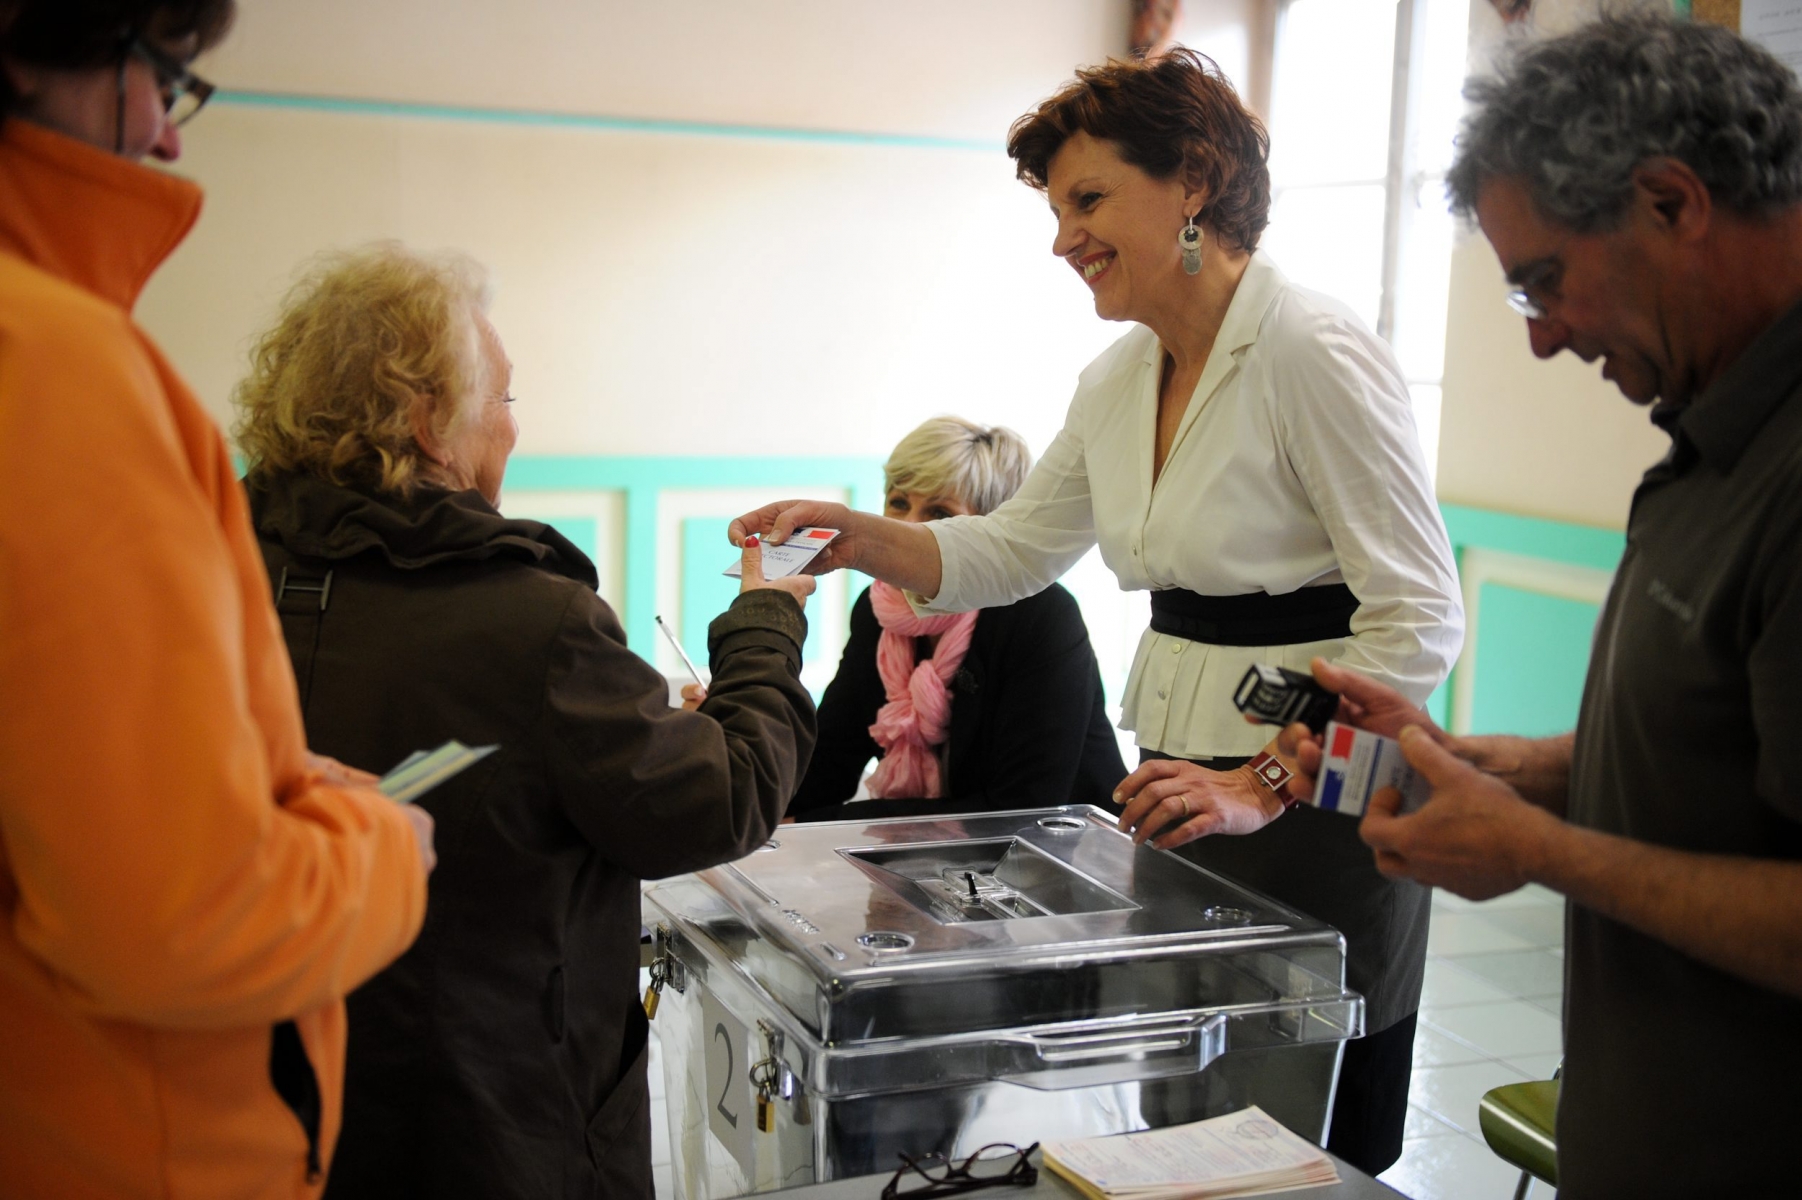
1640	180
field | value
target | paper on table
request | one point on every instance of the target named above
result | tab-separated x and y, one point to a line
791	556
421	771
1246	1146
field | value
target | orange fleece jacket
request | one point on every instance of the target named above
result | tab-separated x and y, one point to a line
173	878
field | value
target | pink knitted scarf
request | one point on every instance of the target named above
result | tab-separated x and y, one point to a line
918	713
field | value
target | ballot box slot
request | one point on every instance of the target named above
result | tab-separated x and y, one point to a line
993	879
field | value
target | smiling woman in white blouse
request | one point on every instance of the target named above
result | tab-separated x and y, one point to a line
1247	453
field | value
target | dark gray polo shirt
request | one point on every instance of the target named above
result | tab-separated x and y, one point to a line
1679	1079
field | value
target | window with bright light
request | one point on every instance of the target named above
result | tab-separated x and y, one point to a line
1359	147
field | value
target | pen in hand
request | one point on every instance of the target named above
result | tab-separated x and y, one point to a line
686	661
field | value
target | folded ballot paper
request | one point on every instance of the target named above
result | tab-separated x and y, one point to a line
779	562
1241	1154
423	770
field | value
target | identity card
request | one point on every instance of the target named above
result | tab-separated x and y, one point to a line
1357	764
779	562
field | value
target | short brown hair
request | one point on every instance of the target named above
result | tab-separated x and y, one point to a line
77	34
1174	115
361	340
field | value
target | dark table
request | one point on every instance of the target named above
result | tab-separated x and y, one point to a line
1354	1185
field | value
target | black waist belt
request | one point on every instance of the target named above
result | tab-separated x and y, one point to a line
1310	614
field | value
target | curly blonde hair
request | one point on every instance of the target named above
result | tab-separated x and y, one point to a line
362	338
978	465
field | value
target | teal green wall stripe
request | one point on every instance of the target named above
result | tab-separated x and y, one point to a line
1536	537
596	122
1532	661
663	472
640	479
1439	704
706	590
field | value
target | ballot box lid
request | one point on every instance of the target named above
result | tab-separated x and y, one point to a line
1043	923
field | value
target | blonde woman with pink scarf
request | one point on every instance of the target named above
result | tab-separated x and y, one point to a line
991	709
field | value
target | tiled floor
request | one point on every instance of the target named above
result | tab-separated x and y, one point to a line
1489	1016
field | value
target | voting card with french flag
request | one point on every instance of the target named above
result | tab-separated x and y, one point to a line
791	556
1357	764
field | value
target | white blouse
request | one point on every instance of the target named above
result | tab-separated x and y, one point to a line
1296	464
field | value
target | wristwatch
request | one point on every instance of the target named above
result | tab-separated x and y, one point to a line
1274	775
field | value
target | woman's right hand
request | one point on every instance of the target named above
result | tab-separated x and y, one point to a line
777	521
751	565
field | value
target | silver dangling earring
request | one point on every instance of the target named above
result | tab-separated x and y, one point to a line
1190	240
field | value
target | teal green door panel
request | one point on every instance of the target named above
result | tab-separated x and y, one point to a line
1532	654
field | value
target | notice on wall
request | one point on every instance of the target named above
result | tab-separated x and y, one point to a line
1777	26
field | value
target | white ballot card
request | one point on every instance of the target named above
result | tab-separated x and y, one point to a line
779	562
423	770
1356	764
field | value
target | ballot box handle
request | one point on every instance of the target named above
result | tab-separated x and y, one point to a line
1136	1051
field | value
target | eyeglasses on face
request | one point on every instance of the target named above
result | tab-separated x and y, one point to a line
184	93
1522	302
1534	289
994	1165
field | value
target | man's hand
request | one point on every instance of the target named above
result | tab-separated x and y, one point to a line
1197	800
798	586
777	521
1363	704
692	695
1475	836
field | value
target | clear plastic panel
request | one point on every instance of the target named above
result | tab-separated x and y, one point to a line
863	932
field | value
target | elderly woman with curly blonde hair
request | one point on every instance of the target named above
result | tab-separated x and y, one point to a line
505	1054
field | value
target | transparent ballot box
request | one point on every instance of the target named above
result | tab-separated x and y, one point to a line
854	990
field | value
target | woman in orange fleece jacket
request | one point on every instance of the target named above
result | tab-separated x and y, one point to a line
186	894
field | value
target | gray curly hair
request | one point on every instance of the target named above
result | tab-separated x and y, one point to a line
1571	117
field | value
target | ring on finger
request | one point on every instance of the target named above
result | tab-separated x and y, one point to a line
1185	799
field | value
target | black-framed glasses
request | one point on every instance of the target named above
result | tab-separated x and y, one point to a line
184	93
996	1165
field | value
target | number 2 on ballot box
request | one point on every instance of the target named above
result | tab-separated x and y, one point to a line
731	1116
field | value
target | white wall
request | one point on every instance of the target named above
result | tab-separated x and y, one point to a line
1547	439
668	292
943	67
816	243
1237	35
